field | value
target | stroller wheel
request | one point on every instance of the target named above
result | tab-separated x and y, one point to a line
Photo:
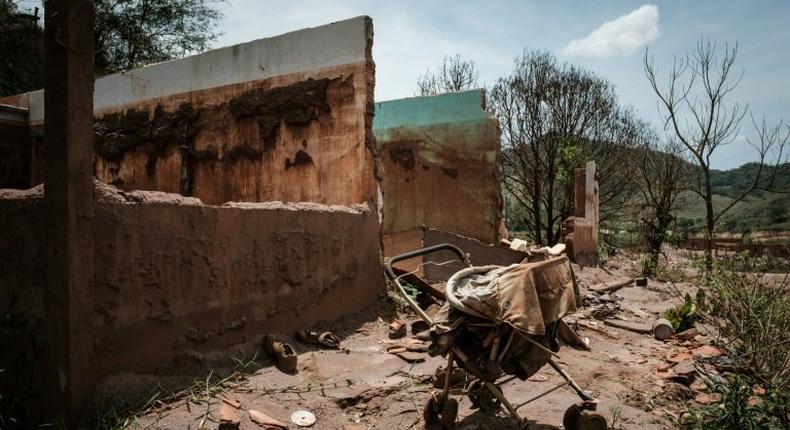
591	422
571	417
430	413
483	399
449	413
440	413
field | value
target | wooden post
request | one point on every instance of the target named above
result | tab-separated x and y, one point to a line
69	204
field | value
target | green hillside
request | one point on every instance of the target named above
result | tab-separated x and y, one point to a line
760	211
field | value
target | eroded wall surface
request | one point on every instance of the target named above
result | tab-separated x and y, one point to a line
285	118
440	165
173	274
282	119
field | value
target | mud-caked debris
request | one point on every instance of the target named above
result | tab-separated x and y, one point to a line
283	354
397	329
229	418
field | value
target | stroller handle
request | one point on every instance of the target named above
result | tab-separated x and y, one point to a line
416	253
423	251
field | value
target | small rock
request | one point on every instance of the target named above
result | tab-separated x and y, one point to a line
706	399
679	357
698	386
707	351
674	391
687	334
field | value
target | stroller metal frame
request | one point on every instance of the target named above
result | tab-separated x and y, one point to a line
574	418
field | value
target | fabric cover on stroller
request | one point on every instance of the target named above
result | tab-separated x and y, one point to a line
526	296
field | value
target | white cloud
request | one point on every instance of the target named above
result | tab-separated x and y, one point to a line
619	37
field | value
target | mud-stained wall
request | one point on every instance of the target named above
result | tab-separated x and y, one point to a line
172	274
440	165
286	118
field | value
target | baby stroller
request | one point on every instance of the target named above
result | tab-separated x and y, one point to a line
498	324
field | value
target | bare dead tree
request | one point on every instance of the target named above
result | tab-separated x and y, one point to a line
662	176
455	74
553	118
695	102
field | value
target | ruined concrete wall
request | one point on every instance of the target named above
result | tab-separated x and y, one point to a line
286	118
440	165
173	274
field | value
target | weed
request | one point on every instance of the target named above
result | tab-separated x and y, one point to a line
616	412
749	315
740	408
684	316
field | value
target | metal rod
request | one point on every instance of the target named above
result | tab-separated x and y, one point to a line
494	349
505	381
563	384
554	354
583	394
448	372
507	345
491	387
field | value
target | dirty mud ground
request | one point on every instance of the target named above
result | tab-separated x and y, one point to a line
365	384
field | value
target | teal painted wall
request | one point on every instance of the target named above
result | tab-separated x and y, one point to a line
439	157
445	108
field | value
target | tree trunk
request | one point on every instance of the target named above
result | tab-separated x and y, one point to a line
536	213
709	227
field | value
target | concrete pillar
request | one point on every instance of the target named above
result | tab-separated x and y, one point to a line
591	199
579	192
584	243
69	205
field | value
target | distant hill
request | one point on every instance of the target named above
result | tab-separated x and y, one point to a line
759	211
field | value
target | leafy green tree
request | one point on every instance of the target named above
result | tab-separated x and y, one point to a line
128	34
133	33
22	48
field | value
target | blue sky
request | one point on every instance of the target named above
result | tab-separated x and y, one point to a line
411	36
606	36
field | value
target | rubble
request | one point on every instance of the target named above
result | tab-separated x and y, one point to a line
662	329
229	418
266	421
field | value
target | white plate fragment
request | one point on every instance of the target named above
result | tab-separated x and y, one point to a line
303	418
